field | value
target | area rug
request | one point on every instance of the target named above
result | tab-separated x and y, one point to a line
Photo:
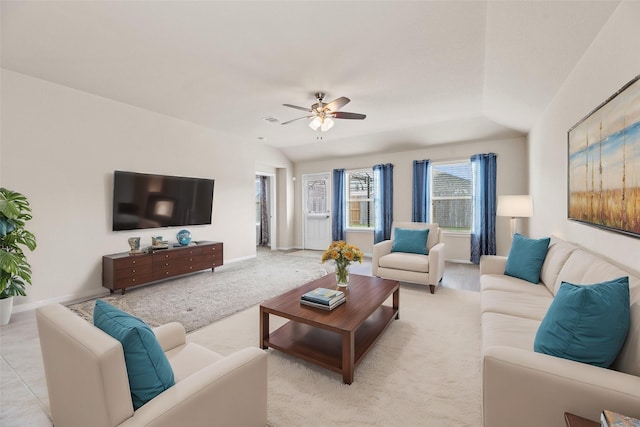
424	370
202	298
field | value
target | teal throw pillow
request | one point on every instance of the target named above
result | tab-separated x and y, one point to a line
148	368
526	257
587	323
410	240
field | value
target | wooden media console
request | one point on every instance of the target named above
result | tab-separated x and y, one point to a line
122	270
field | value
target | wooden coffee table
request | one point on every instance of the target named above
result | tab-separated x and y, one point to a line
339	339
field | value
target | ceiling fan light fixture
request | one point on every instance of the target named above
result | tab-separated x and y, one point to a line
327	124
322	114
315	123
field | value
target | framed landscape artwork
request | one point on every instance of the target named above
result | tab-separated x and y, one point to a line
604	164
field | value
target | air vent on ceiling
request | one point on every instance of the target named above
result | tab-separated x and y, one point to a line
271	119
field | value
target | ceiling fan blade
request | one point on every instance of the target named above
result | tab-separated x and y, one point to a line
337	104
299	118
345	115
308	110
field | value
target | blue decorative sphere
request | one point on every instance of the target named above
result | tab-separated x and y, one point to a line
184	237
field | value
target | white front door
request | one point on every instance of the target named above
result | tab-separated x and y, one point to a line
317	211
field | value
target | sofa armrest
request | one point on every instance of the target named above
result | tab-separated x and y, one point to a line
380	249
492	264
170	335
528	389
229	392
436	264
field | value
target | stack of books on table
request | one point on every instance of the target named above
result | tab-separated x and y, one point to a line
326	299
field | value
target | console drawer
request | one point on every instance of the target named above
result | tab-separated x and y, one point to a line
120	271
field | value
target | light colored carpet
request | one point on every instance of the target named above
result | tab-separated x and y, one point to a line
308	253
202	298
424	370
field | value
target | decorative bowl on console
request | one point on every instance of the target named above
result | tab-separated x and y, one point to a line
184	237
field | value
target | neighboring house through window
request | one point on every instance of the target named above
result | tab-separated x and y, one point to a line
360	199
451	195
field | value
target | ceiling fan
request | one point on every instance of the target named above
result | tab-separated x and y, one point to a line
323	113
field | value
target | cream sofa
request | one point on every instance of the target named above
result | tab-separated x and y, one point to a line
412	268
524	388
88	385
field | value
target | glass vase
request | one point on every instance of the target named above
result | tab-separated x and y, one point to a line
342	275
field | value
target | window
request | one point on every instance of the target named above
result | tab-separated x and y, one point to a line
451	192
360	199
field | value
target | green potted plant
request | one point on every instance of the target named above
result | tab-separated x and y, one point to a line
15	271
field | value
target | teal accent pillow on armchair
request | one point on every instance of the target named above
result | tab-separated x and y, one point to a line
587	323
410	240
148	368
526	257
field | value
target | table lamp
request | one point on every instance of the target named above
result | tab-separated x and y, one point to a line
519	206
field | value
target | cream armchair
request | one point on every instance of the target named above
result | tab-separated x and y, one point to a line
410	267
88	385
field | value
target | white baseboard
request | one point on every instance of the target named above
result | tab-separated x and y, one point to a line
231	261
459	261
288	248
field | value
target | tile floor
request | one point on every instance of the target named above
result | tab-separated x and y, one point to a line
23	391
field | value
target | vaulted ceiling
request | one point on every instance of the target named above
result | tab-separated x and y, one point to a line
424	72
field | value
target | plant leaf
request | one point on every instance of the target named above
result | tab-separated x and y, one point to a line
9	262
13	204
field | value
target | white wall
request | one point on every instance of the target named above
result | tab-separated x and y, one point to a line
60	147
511	179
611	61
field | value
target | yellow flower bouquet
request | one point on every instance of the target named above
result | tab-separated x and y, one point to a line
343	254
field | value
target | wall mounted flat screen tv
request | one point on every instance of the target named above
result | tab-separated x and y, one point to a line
150	201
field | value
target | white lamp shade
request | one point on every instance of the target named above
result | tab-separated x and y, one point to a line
326	125
315	123
519	206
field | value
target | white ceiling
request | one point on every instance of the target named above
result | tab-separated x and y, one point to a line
424	72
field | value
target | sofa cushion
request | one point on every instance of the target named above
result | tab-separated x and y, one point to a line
628	360
526	257
413	241
508	331
517	304
557	254
405	261
585	267
501	282
189	358
148	369
586	323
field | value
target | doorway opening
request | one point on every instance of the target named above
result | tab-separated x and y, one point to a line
265	227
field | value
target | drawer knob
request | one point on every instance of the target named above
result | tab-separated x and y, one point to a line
133	271
133	280
166	263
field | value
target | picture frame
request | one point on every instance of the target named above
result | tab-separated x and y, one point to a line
604	164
